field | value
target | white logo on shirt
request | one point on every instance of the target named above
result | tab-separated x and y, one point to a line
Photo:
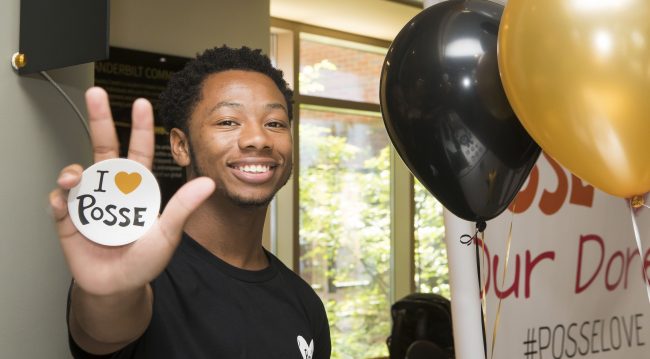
307	351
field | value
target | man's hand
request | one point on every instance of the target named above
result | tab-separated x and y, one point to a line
122	273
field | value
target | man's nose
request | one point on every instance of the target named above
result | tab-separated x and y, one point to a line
254	136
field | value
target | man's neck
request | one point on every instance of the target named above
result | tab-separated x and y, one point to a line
231	232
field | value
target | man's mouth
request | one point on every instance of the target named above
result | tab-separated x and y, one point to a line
254	168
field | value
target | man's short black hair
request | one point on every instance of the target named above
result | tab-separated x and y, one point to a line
183	91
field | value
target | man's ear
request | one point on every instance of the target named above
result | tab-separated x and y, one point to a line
180	147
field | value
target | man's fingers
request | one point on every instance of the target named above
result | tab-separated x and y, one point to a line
182	204
58	204
102	128
69	176
141	145
59	208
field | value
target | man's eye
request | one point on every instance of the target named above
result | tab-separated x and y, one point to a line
227	123
276	124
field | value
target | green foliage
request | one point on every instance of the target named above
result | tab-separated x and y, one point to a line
431	269
345	239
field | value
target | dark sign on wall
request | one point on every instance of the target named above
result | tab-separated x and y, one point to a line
55	34
128	75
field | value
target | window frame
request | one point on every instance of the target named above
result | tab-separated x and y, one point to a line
284	221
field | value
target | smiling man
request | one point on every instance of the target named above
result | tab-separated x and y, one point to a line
199	284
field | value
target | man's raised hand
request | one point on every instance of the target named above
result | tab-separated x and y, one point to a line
102	270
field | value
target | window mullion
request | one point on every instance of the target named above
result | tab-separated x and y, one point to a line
402	239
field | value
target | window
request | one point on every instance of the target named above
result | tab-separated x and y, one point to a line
431	268
340	69
346	223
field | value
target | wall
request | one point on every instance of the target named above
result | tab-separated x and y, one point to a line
186	27
41	135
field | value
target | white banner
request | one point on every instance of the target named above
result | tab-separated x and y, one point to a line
574	286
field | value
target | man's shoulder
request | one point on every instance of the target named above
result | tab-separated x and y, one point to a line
285	271
294	279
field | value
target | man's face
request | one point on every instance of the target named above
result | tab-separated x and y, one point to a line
240	136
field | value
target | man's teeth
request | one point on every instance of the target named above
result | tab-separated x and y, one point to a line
255	168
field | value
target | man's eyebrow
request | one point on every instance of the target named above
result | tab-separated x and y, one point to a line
276	106
270	106
225	104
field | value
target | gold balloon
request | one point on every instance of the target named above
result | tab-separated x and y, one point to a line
577	74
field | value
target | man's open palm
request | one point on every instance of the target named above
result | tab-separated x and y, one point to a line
104	270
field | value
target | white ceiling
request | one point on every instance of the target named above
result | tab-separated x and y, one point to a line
380	19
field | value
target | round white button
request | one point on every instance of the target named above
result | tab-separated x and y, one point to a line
115	203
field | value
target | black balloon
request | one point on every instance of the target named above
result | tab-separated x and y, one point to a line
447	114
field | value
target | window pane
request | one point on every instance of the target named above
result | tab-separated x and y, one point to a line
345	225
431	269
339	69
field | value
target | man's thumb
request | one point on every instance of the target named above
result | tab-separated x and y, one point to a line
183	203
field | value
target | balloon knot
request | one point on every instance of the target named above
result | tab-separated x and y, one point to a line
637	201
480	226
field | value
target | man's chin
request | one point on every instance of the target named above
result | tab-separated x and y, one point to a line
250	202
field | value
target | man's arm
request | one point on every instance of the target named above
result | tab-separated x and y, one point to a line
111	299
106	324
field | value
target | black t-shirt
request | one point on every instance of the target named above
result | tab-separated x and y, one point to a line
205	308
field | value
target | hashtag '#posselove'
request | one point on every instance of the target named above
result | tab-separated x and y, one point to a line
529	343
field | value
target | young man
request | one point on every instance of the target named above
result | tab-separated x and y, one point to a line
198	284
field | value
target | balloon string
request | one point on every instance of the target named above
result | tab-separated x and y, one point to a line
503	281
469	239
637	236
483	292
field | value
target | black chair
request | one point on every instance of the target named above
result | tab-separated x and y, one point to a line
421	325
423	349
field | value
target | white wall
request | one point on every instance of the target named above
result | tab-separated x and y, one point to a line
40	134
